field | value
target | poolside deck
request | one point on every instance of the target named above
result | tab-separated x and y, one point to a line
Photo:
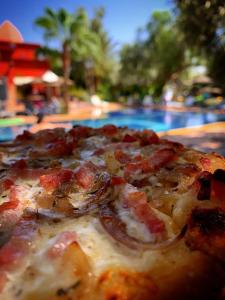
206	138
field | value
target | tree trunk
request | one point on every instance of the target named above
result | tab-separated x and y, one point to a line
66	74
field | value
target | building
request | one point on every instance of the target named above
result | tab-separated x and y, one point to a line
17	59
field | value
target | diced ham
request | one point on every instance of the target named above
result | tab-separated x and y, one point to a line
99	151
85	175
60	148
159	159
218	185
148	137
129	138
5	184
137	201
62	242
19	164
45	136
162	157
52	181
206	163
25	136
117	180
13	201
15	250
109	129
80	132
121	156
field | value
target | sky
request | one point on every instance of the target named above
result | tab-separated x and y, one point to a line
122	19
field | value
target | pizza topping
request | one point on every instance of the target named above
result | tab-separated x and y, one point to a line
122	157
109	130
62	242
117	180
129	138
148	137
218	185
25	136
79	132
51	182
60	148
5	184
96	196
159	159
13	201
19	164
15	250
117	229
85	175
206	163
137	202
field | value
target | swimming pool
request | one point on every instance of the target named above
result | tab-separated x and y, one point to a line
158	120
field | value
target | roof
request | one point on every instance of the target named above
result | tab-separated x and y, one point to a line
9	33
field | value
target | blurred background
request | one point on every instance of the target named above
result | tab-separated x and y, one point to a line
89	58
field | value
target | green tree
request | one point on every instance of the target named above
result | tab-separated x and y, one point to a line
203	25
86	49
150	62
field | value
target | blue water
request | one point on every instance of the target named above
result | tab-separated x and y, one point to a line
158	120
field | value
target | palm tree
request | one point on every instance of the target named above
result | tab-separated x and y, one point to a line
73	33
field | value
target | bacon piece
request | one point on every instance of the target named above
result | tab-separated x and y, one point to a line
109	130
16	249
25	136
19	164
5	184
159	159
85	175
142	166
162	157
137	201
99	151
129	138
51	182
148	137
13	200
62	242
121	156
45	136
117	180
60	148
218	185
80	132
206	163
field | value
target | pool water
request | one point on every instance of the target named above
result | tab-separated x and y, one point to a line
158	120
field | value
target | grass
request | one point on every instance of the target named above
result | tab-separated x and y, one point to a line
11	122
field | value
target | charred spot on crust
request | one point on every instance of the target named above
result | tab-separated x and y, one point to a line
204	180
219	175
209	221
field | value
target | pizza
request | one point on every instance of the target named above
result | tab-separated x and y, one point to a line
110	214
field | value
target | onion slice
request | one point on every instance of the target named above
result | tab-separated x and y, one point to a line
96	196
117	229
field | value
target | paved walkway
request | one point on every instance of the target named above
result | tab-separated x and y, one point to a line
207	138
